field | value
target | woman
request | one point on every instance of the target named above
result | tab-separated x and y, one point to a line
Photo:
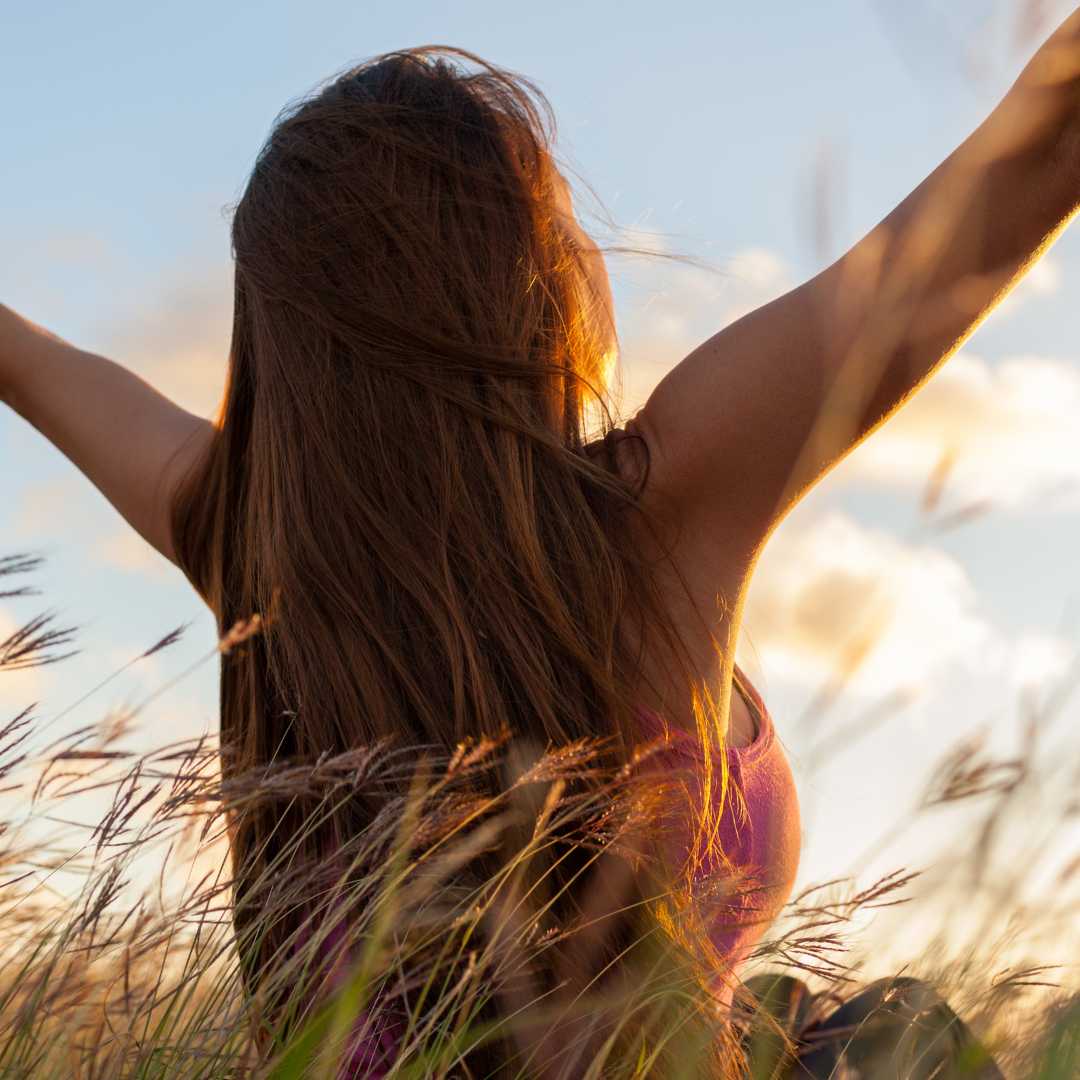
400	474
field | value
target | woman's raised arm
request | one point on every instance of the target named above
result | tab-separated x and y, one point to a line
130	441
749	421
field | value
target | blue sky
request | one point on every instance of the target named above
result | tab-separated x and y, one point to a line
702	126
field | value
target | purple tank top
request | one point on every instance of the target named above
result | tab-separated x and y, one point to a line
760	834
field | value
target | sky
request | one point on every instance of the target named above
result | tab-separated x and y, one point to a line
765	137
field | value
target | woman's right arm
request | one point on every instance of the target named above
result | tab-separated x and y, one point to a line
132	442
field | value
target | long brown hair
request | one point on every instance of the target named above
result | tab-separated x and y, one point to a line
402	472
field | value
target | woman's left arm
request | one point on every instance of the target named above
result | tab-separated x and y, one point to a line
132	442
746	424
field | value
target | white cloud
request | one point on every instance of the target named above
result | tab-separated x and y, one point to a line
180	340
673	307
757	276
40	507
127	550
43	509
1012	426
705	296
645	239
835	602
831	595
1044	277
1035	660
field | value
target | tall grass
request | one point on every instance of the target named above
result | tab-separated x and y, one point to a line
121	956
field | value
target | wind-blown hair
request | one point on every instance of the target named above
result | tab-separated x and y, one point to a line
402	480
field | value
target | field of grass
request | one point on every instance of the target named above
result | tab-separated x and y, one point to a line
119	956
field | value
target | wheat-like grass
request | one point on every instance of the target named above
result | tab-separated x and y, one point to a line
110	970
